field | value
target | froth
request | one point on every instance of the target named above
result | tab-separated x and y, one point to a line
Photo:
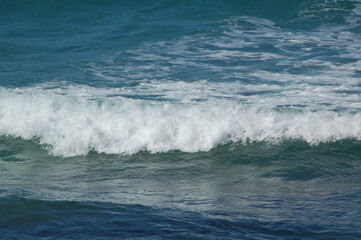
74	125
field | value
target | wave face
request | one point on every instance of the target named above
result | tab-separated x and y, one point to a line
74	125
180	119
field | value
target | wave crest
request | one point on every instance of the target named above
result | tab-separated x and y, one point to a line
75	125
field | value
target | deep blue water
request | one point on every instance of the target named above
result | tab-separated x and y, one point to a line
180	119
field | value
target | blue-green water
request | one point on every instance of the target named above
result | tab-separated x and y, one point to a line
180	119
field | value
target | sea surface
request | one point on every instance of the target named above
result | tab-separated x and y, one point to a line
170	119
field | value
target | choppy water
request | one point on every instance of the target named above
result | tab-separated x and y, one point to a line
180	119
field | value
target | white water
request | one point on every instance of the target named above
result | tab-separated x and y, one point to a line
71	125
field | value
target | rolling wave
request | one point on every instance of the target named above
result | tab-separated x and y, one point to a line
71	125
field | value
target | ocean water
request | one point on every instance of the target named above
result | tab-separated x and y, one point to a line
177	119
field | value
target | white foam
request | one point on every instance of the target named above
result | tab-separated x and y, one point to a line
232	62
296	93
73	125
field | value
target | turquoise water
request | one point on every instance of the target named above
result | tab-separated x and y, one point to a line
180	119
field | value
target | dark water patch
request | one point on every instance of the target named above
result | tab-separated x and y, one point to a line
39	219
6	153
234	191
356	92
12	159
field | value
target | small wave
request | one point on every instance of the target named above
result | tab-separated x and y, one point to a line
74	125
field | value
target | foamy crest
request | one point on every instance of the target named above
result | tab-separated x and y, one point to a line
74	125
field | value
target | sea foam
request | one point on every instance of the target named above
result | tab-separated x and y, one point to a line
74	125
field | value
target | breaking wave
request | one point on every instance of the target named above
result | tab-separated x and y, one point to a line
70	125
